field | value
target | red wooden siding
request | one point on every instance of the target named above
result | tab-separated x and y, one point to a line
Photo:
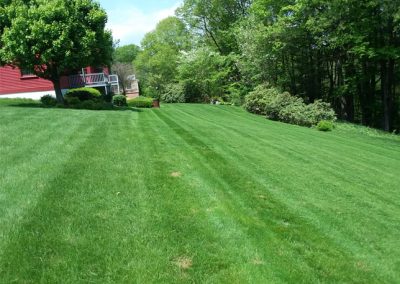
11	81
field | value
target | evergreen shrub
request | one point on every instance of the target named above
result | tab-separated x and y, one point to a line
48	101
119	100
84	94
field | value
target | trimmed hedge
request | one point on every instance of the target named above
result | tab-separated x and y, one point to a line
141	102
84	94
119	100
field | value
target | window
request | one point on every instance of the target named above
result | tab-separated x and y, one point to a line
27	73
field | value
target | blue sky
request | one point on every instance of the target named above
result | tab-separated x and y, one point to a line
130	20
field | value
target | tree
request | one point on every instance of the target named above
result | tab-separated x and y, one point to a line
157	62
126	53
4	22
215	20
123	70
53	37
343	51
204	73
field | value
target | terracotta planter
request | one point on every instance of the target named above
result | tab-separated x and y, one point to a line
156	103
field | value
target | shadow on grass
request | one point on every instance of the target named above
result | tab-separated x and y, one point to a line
41	106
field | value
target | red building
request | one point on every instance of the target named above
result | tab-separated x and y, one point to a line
15	83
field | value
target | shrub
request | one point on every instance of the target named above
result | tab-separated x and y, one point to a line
141	102
325	125
174	94
84	94
281	101
48	100
319	111
72	101
119	100
287	108
108	97
295	113
89	104
236	94
257	100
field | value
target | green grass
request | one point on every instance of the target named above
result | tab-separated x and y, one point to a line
193	193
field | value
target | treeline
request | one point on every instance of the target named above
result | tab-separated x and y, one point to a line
345	52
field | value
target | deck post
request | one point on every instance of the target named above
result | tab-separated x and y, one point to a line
84	76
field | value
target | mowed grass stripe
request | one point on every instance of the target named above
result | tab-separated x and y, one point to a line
231	246
278	151
320	210
39	159
56	235
392	183
237	200
197	193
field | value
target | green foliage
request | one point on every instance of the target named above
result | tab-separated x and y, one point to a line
72	101
91	105
108	97
48	100
325	50
257	100
319	111
325	125
284	107
236	94
215	21
294	112
50	37
84	94
204	73
119	100
280	102
175	93
88	104
141	102
157	62
126	53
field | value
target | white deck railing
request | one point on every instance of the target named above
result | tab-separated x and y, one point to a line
95	79
92	79
113	79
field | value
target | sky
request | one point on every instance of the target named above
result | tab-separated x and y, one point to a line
130	20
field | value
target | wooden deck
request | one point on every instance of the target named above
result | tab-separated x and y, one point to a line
95	80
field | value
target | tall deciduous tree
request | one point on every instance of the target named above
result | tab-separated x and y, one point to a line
344	51
53	37
4	22
157	62
126	53
215	19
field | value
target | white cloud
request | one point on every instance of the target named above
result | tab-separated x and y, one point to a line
130	24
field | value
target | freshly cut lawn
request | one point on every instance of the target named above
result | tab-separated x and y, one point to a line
193	193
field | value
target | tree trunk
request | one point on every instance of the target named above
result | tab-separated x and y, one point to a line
385	95
57	89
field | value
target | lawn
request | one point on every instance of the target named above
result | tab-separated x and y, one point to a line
193	193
